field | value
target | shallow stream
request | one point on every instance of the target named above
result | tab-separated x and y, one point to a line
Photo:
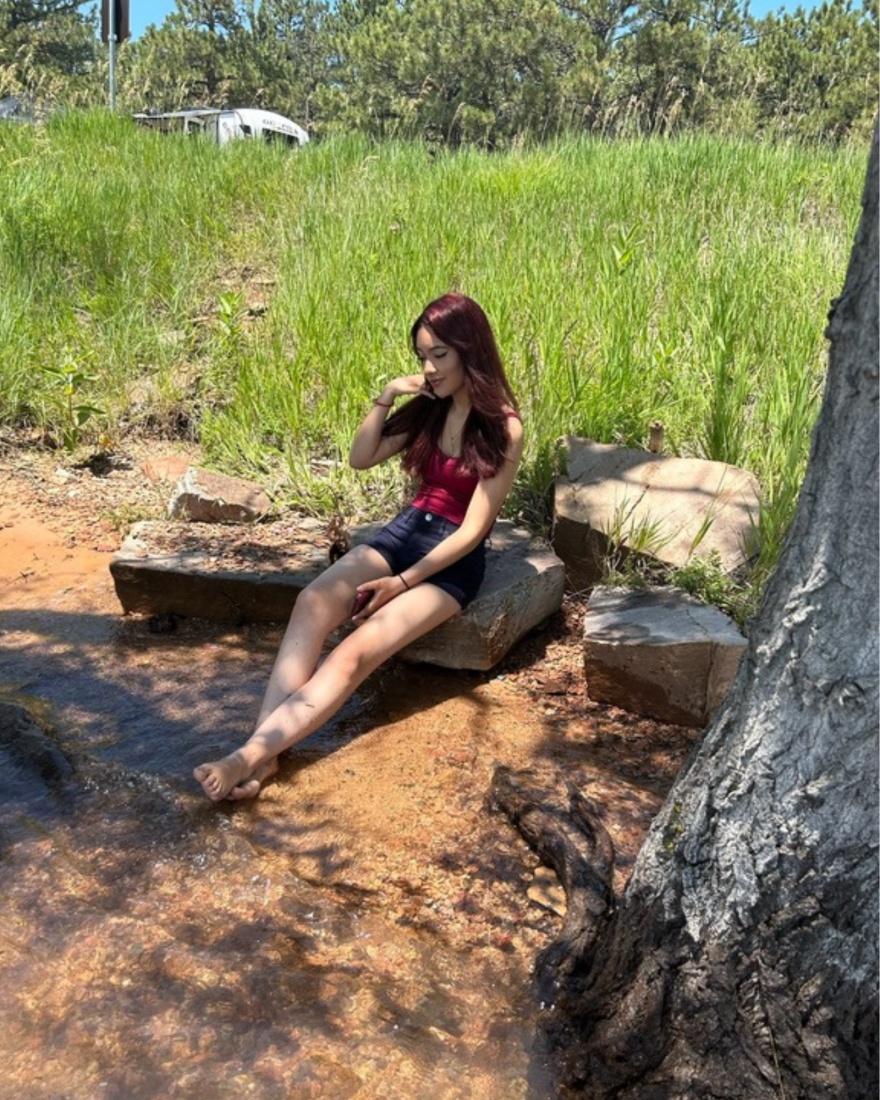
361	930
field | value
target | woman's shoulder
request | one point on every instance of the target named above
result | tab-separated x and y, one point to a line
515	433
514	420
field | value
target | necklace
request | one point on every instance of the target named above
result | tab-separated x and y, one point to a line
452	435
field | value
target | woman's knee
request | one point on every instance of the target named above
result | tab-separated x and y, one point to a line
314	605
359	654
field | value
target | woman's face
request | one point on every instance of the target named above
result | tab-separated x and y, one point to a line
441	364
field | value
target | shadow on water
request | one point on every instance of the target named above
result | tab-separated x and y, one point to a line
154	945
164	703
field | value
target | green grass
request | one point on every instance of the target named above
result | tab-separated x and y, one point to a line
686	281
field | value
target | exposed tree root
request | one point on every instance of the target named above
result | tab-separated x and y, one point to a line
572	841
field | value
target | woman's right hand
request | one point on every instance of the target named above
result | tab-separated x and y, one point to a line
378	592
409	385
369	446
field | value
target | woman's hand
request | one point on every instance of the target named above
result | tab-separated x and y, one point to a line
369	446
410	385
382	590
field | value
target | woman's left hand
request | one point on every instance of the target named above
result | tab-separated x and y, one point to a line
384	590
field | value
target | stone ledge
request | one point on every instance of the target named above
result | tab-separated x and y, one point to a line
222	573
233	574
524	585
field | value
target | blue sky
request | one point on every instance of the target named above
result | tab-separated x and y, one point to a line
144	12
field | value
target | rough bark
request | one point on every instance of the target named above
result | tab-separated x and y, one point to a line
742	961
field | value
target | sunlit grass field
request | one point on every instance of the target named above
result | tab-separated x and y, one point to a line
255	297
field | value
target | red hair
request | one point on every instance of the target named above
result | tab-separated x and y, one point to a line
461	324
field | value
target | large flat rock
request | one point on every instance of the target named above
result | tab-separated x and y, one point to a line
223	573
524	585
241	574
659	506
660	653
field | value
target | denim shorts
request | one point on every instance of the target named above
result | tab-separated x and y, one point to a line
412	534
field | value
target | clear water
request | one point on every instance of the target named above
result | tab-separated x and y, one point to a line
155	946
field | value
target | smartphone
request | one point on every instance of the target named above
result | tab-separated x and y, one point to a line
360	601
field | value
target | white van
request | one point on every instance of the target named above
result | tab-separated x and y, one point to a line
226	125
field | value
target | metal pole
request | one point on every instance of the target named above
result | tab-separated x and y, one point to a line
111	40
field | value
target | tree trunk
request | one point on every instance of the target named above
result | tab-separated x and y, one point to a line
742	961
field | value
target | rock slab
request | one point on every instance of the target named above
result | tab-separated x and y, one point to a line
203	571
207	497
523	586
659	653
662	507
209	572
161	468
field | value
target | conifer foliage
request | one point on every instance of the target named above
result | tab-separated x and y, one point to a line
486	72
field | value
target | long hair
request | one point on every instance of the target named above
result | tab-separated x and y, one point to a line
461	324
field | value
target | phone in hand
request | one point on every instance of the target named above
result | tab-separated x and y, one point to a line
360	601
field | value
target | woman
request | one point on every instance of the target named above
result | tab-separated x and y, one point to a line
461	437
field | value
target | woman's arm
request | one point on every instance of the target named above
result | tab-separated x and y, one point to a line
486	503
369	447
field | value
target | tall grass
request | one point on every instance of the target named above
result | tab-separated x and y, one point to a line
685	281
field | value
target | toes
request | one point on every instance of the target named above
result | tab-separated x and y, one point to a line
251	787
248	789
219	780
209	780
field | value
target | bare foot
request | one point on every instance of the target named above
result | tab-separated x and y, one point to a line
252	786
221	776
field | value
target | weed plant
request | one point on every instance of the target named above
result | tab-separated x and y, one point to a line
685	281
703	577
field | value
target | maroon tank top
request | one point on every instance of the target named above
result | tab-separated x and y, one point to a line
446	490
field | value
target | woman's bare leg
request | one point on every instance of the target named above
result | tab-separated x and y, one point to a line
319	609
307	707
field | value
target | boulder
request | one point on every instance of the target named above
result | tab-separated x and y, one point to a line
31	747
523	586
207	497
660	653
165	467
658	506
238	575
